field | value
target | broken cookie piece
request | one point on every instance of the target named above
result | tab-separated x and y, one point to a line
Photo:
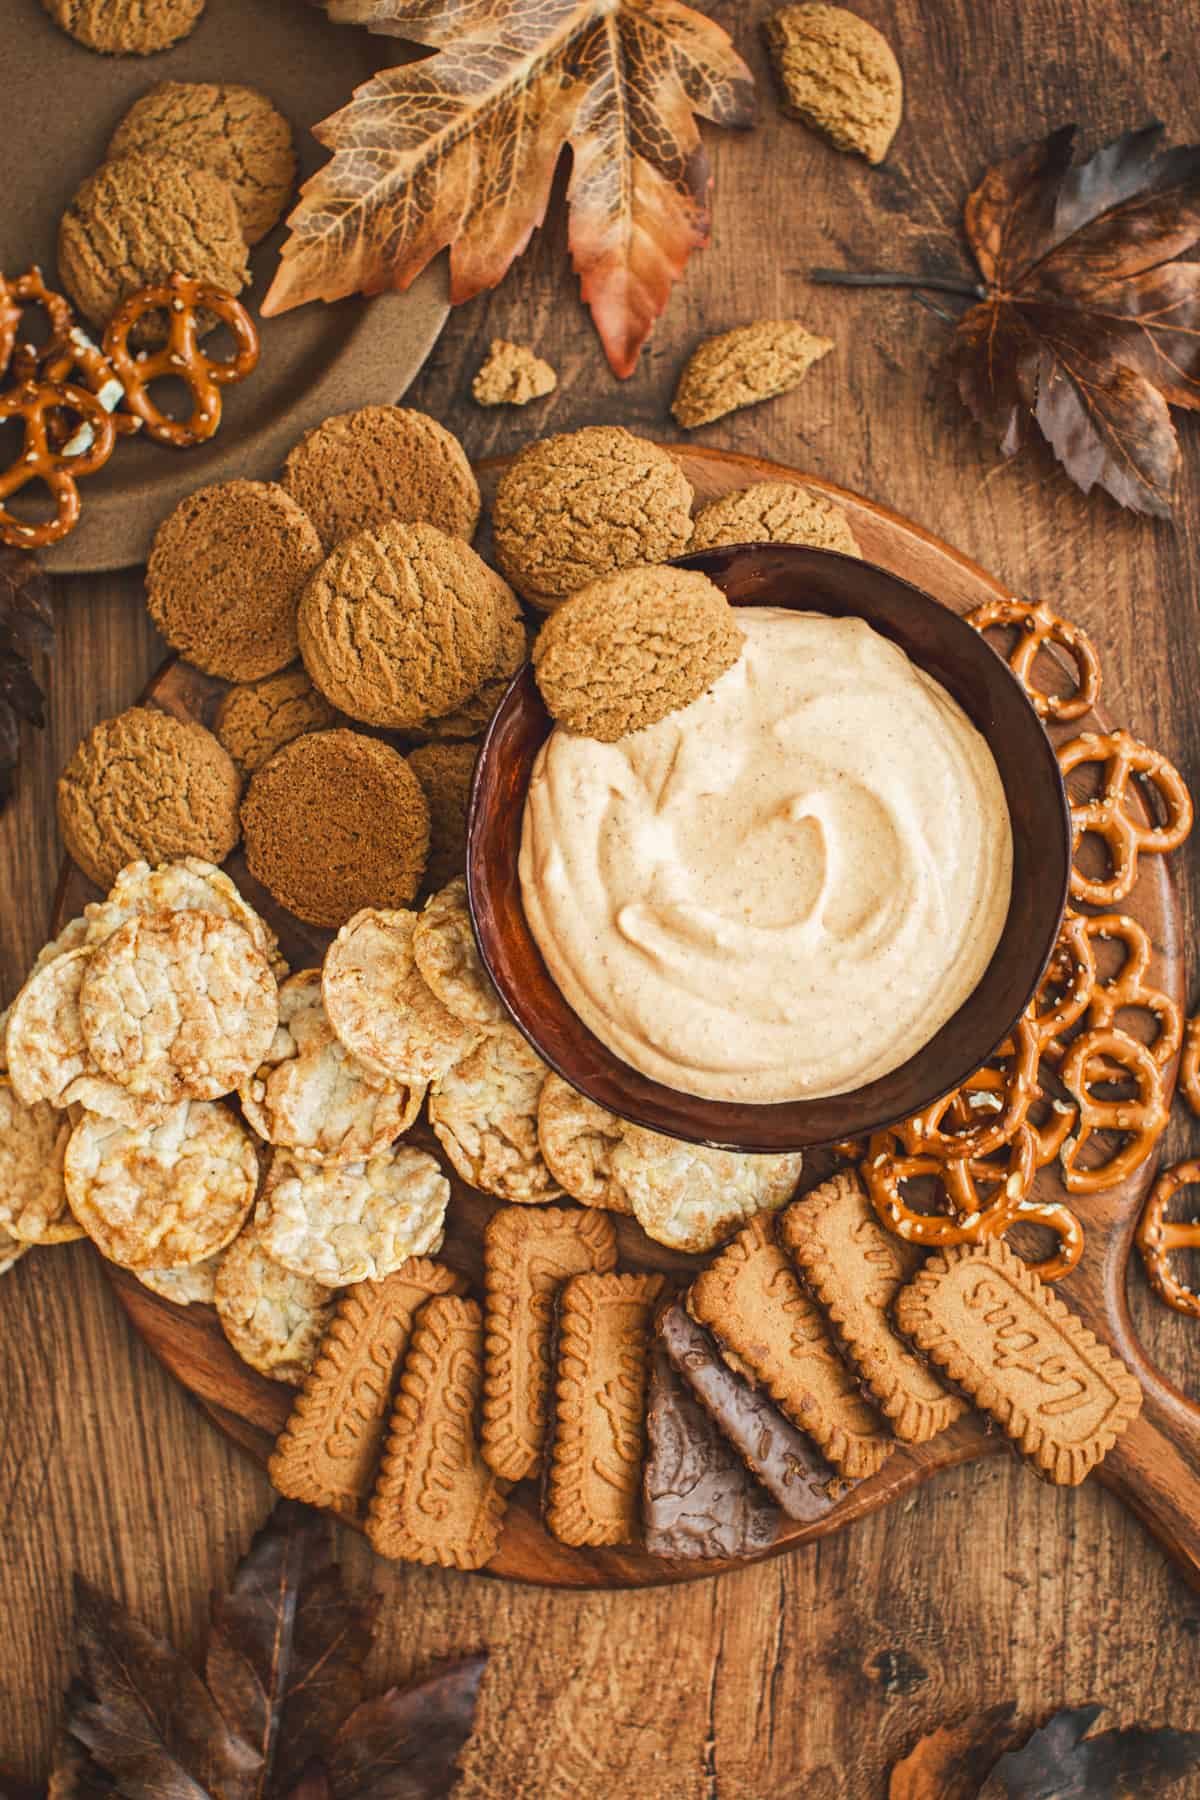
512	376
740	367
838	74
774	512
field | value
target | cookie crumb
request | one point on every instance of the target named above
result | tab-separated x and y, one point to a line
512	376
774	512
838	74
743	366
258	718
629	650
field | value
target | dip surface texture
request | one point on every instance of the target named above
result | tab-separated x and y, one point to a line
783	890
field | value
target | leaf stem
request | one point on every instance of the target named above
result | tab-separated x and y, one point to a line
943	284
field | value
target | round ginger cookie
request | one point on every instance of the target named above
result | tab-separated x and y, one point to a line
219	125
582	505
336	822
188	885
125	27
691	1198
445	771
178	1006
147	786
359	470
774	512
474	716
33	1195
225	575
628	650
577	1139
484	1112
165	1195
380	1007
346	1222
274	1319
135	221
255	720
401	623
448	957
311	1096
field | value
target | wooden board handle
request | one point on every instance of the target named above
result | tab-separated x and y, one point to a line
1155	1467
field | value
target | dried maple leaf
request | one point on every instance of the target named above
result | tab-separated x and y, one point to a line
1060	1762
26	626
460	149
281	1715
952	1762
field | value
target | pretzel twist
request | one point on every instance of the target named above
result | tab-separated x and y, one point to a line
35	402
1157	1236
980	1197
1140	1121
182	301
1125	991
29	360
1038	626
1009	1091
1107	815
1189	1065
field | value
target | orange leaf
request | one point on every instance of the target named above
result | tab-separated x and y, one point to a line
460	149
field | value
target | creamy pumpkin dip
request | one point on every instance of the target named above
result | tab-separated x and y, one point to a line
784	889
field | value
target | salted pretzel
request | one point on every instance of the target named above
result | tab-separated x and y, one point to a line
1108	816
1066	988
181	356
1128	990
980	1196
1038	626
35	403
985	1113
28	359
1189	1065
1141	1120
10	318
1157	1236
1052	1130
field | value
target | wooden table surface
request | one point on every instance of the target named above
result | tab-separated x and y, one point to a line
809	1675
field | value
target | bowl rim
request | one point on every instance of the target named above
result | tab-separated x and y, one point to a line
522	687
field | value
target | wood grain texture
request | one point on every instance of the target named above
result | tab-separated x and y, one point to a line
808	1675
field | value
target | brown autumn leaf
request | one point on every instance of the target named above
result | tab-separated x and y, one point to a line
1090	325
1061	1762
460	150
952	1763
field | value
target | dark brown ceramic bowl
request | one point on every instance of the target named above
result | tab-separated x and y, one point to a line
954	654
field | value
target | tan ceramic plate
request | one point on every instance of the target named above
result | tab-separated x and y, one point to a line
62	103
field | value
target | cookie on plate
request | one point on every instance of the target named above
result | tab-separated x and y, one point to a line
274	1318
577	1139
125	27
445	771
581	505
178	1006
436	1500
448	957
166	1195
401	623
594	1457
309	1095
379	1005
344	1222
774	512
528	1254
328	1452
358	470
360	802
219	125
33	1195
474	716
257	718
689	1197
140	218
147	785
225	575
626	651
484	1113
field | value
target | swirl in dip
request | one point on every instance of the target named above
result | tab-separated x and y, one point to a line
783	890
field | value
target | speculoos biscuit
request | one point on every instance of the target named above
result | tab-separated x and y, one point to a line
225	576
743	366
579	506
125	27
839	74
148	785
257	718
335	822
628	650
400	624
774	512
357	470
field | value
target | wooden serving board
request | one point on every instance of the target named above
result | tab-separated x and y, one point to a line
1155	1469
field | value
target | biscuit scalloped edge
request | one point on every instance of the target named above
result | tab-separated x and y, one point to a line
442	1321
502	1448
1063	1465
313	1415
913	1421
566	1514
